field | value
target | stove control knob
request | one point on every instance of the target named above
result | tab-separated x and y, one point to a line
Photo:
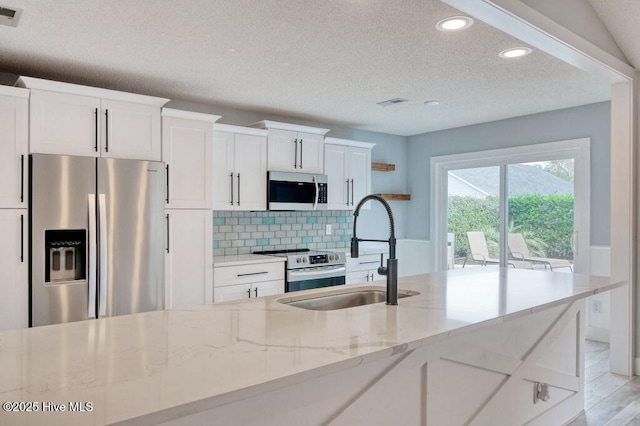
299	260
304	260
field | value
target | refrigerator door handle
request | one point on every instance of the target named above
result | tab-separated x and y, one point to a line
91	311
102	217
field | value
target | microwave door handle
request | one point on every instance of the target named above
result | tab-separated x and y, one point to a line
315	199
91	311
103	255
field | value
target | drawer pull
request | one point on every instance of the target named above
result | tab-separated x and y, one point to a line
367	263
252	273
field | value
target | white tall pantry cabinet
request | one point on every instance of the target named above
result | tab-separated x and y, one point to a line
187	150
14	130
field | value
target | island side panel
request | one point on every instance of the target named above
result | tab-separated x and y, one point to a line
481	377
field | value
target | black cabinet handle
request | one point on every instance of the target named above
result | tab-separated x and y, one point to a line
106	131
256	291
168	241
238	188
348	192
300	153
249	293
95	147
22	178
352	192
295	156
231	180
21	238
167	167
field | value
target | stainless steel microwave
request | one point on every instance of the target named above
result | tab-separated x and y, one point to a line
296	191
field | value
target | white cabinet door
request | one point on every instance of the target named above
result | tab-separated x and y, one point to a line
189	260
14	287
250	164
223	172
337	181
69	124
358	164
267	288
14	140
231	292
65	124
291	151
282	150
310	153
240	171
187	152
131	130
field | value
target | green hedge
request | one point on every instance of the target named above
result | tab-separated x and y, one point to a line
548	218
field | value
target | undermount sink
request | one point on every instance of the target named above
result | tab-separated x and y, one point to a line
351	299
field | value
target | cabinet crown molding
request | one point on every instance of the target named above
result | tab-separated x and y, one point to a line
76	89
189	115
266	124
16	92
219	127
348	142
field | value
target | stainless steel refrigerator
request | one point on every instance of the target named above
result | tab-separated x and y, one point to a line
98	231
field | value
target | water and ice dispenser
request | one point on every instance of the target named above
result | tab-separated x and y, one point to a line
65	255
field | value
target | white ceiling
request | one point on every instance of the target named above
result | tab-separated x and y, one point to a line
326	61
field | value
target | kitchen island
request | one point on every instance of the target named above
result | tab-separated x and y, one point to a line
467	349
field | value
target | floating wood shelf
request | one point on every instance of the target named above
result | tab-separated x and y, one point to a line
395	197
382	167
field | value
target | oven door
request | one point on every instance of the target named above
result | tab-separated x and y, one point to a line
317	277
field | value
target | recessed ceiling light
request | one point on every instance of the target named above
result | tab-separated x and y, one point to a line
515	52
454	23
432	103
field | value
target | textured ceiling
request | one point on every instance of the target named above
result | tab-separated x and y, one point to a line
622	18
326	61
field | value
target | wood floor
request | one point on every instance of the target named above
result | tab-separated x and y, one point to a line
610	399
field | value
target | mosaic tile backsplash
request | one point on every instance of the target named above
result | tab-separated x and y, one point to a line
246	232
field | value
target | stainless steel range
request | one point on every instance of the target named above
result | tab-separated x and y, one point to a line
308	269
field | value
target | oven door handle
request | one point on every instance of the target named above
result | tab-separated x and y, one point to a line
295	275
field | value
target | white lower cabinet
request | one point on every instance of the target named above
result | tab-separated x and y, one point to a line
14	286
248	280
364	269
189	258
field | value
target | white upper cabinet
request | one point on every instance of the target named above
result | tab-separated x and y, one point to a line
14	140
239	168
69	119
293	148
187	150
347	165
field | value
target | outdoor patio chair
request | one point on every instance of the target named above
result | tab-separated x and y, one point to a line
480	252
519	250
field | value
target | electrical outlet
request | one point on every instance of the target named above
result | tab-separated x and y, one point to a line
327	229
596	306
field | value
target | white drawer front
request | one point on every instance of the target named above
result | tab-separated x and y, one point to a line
247	273
363	263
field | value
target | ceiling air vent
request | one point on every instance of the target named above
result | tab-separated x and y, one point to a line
9	16
392	102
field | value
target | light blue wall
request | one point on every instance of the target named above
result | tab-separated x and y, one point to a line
591	121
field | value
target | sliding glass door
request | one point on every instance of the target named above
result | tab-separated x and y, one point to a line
525	207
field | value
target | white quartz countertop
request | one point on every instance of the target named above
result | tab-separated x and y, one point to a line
153	367
242	259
